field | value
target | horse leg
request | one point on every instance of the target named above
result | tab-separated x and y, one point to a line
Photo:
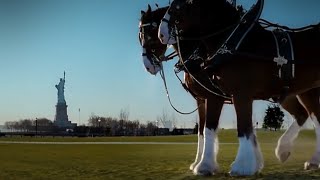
249	158
201	113
285	142
208	164
310	101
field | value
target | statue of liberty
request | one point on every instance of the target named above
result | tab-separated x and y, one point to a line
60	88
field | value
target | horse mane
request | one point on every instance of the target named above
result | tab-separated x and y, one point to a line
228	1
189	1
156	13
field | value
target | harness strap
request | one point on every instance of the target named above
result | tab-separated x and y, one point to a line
285	56
247	22
235	39
165	20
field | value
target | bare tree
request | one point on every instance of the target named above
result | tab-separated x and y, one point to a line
164	119
124	114
9	125
151	129
136	125
94	120
25	124
174	120
44	122
167	121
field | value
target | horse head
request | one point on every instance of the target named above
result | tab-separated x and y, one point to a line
153	50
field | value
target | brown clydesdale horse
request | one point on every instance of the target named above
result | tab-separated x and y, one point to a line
209	105
248	72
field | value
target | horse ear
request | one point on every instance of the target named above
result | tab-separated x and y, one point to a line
149	8
157	5
143	13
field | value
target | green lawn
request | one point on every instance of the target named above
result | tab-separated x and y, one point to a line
40	161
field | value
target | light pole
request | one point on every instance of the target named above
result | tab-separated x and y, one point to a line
79	116
36	126
99	120
99	130
157	127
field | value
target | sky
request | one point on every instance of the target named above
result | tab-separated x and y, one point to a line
96	43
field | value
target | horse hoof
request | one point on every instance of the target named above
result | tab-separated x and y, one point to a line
284	156
242	169
203	173
236	173
231	173
205	170
310	166
192	166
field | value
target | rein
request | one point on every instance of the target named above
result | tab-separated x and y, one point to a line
166	88
205	87
169	57
157	61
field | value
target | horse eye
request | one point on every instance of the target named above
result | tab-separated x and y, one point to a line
153	50
176	21
177	7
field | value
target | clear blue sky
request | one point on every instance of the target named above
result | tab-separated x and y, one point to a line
96	43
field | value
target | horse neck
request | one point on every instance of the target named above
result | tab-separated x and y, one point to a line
218	19
208	18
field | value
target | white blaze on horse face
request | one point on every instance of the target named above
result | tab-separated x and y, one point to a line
164	33
149	66
208	164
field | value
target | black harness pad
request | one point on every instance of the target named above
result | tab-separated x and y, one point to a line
285	55
225	52
246	24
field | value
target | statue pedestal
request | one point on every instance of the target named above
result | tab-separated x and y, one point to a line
61	119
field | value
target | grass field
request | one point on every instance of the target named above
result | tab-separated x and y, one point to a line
149	161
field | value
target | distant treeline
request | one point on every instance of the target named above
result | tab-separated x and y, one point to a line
97	126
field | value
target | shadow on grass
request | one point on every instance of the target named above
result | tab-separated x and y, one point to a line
290	174
278	175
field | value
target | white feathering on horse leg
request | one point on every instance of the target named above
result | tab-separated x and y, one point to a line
260	162
199	151
314	162
208	164
285	142
246	162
